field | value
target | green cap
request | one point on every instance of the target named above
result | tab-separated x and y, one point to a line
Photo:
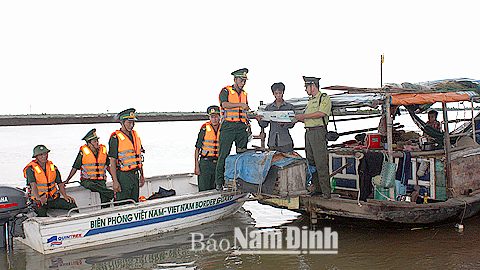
39	149
214	109
92	134
310	80
128	114
241	73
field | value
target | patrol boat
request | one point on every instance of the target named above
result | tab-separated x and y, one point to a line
89	225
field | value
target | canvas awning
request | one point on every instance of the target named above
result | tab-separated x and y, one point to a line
425	98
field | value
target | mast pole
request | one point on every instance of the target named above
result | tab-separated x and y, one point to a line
473	122
448	165
389	122
381	70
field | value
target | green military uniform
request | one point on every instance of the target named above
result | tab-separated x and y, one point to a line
106	195
129	180
59	202
315	139
230	132
208	165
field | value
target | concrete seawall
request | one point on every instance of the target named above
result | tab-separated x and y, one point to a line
58	119
55	119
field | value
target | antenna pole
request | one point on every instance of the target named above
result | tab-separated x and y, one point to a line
381	70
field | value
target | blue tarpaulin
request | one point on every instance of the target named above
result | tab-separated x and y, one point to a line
253	167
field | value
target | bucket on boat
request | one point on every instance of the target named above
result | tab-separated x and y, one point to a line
381	193
372	140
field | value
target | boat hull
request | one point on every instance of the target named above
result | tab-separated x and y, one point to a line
387	211
83	230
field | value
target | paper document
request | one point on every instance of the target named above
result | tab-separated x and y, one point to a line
278	116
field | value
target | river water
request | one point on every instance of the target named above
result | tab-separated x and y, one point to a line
170	149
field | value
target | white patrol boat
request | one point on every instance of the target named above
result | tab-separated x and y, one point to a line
92	225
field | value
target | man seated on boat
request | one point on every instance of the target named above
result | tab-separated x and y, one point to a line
279	138
93	163
126	158
432	121
206	150
315	118
45	183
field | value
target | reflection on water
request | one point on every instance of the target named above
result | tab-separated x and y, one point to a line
370	247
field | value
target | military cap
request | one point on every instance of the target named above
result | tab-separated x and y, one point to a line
310	80
92	134
39	149
128	114
214	109
279	85
240	73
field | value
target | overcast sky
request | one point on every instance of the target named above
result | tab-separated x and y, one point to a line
99	56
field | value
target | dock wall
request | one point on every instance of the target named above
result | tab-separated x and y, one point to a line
55	119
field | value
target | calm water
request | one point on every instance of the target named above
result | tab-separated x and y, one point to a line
169	149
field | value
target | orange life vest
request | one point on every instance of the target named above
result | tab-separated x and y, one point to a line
210	145
129	153
93	168
45	180
236	114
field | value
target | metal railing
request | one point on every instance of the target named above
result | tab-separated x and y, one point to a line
101	204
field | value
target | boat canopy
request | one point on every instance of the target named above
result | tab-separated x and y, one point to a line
426	98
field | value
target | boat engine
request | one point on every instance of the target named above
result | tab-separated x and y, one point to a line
13	201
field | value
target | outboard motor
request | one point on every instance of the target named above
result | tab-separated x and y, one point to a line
13	201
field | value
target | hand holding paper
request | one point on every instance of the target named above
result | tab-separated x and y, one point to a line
278	116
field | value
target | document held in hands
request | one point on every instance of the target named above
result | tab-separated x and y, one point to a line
278	116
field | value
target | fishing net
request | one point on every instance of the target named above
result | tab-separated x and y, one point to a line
436	134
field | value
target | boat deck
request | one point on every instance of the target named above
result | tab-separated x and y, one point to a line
93	226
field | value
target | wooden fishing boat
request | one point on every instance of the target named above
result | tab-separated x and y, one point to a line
92	225
448	189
